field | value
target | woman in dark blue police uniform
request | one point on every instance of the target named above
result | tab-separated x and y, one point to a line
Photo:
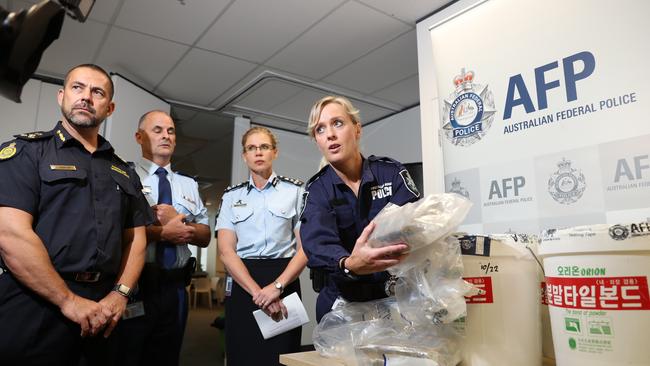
339	203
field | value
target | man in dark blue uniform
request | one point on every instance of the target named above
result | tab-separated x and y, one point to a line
72	236
334	218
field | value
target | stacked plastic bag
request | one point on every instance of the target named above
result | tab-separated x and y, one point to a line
416	326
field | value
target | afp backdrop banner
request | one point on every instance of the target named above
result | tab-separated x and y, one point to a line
544	112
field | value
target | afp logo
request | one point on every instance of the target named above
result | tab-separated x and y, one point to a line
619	232
567	184
457	187
469	111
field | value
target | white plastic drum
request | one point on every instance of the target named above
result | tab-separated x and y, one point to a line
503	324
597	292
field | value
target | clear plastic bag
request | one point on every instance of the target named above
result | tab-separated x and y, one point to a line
383	342
420	223
416	326
334	334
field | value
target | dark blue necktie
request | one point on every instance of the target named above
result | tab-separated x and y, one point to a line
165	251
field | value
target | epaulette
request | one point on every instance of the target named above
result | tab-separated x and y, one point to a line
124	161
186	175
36	135
316	176
295	181
384	159
233	187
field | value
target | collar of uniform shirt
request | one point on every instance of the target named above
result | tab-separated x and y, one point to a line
150	167
273	181
366	173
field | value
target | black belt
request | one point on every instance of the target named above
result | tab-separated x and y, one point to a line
362	291
88	277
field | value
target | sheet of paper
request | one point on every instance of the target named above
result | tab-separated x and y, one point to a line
296	317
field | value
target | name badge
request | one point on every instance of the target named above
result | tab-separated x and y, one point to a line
133	310
63	167
228	285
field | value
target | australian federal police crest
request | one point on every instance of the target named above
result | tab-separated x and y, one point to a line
469	111
567	184
456	187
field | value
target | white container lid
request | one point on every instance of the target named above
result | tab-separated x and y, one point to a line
596	239
500	245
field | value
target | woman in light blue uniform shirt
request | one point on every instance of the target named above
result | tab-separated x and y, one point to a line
257	239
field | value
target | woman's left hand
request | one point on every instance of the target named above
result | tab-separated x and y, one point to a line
266	296
276	310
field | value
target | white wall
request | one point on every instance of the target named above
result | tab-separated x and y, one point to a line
39	110
397	137
131	102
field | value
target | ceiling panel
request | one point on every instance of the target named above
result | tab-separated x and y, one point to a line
181	114
408	11
254	30
208	125
382	67
269	93
202	76
103	10
405	92
181	21
369	113
77	44
124	52
298	107
346	34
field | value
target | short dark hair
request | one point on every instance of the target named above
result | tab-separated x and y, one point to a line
96	68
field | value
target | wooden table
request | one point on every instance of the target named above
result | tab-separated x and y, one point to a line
311	358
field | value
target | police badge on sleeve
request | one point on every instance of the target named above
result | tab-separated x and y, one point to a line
410	184
567	184
468	112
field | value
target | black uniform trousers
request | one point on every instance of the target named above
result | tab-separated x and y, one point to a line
45	336
245	345
156	337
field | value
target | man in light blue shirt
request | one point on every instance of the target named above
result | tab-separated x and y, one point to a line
156	337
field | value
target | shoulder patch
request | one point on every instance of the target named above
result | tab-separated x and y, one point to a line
236	186
8	150
317	175
409	183
297	182
384	159
32	136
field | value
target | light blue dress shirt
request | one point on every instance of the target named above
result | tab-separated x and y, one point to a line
263	219
185	200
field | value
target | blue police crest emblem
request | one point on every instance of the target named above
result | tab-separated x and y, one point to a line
567	184
468	112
